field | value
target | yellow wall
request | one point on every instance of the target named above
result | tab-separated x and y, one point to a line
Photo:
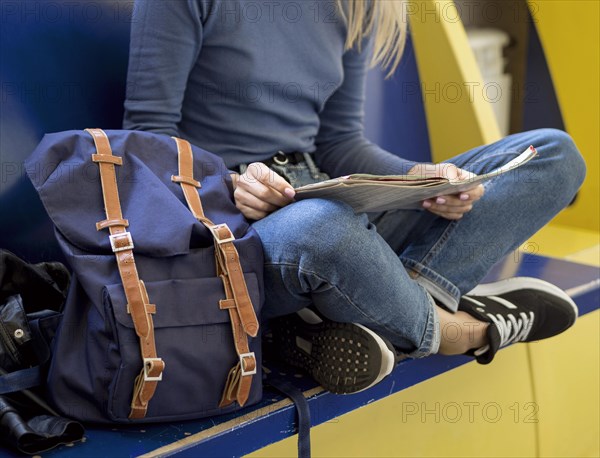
569	31
458	115
477	411
567	389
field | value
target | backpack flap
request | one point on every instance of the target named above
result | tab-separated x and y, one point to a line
68	183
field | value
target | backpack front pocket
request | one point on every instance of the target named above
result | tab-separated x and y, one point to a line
194	339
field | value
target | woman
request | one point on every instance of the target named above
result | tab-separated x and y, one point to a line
263	83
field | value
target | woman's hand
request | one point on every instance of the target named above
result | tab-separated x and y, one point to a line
260	191
454	206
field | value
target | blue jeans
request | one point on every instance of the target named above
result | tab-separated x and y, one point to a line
387	271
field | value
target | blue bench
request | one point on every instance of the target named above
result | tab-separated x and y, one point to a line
274	418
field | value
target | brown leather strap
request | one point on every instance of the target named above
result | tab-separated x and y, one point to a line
238	382
231	260
138	304
238	303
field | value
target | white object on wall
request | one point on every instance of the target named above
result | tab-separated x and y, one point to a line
488	45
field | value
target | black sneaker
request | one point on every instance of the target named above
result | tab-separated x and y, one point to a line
343	358
519	309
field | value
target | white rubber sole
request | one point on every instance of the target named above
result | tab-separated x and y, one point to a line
387	364
388	359
518	283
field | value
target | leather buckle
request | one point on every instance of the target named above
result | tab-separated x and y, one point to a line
114	240
147	364
215	230
247	355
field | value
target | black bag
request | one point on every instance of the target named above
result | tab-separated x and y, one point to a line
31	299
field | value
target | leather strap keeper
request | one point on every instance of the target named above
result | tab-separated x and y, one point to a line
108	159
112	222
186	180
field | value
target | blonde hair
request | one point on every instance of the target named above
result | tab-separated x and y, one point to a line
386	19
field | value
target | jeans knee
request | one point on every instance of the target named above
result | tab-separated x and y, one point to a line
326	225
312	230
574	161
571	168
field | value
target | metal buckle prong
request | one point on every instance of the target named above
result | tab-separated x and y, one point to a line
113	242
247	355
147	364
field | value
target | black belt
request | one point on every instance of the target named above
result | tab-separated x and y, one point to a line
285	158
280	158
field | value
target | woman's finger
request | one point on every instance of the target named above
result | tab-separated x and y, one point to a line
250	213
448	215
260	191
451	201
446	211
263	193
249	200
258	172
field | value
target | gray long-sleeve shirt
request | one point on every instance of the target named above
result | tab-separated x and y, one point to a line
245	79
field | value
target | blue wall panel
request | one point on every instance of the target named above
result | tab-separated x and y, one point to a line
540	104
394	112
63	66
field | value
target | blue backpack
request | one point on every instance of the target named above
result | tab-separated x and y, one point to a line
160	321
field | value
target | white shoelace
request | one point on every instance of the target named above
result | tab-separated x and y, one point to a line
513	328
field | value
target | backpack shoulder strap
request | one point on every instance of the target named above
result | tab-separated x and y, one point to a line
137	298
241	312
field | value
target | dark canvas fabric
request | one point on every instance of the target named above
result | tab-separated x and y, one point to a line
96	356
